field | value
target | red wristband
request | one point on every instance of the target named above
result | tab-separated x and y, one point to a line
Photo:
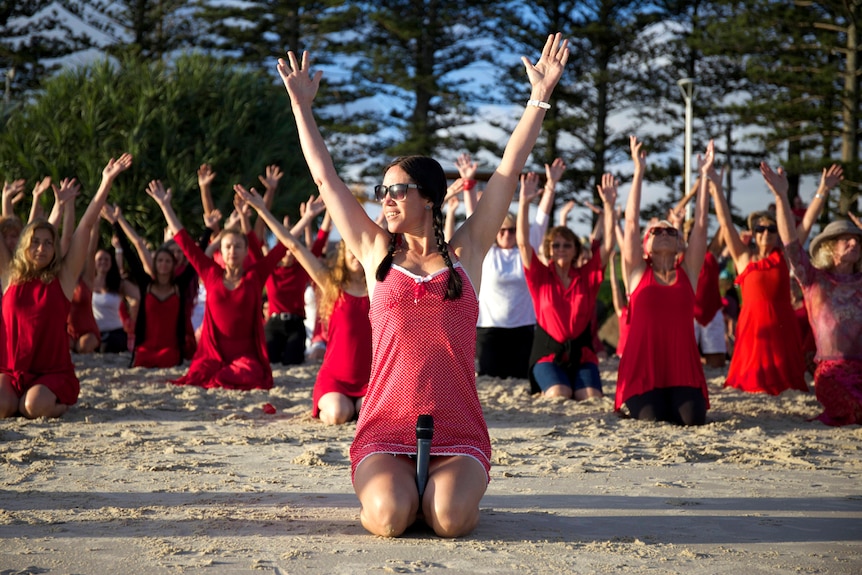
469	185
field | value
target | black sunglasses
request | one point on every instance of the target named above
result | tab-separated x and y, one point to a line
396	191
772	228
659	230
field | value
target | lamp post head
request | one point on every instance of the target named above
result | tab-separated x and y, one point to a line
686	86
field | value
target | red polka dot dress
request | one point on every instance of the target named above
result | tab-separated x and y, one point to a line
423	350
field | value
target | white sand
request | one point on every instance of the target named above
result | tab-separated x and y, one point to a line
142	477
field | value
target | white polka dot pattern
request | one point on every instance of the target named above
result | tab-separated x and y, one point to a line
423	363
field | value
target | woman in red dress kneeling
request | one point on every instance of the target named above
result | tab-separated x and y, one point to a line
37	378
232	350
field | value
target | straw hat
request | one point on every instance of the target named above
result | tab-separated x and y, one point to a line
831	231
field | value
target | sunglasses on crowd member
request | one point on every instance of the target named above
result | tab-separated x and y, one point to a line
507	230
562	246
396	191
772	228
659	230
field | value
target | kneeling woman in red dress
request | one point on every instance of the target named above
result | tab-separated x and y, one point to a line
660	375
232	350
160	327
343	378
37	378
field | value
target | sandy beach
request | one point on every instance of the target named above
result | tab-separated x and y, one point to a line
143	477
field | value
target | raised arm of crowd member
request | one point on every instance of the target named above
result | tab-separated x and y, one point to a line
206	176
313	265
608	193
269	179
695	251
11	190
776	181
74	261
36	210
632	248
64	202
467	169
829	178
529	191
738	249
553	173
565	210
142	260
473	239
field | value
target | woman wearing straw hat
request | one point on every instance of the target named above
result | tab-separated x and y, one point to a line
831	279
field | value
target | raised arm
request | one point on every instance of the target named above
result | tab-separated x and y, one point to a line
696	249
632	249
312	264
64	203
522	234
270	179
362	236
206	175
474	238
830	178
553	173
36	210
608	194
11	190
617	295
776	181
144	255
74	260
563	216
162	197
737	248
467	169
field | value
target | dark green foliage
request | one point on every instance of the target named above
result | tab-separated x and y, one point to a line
172	119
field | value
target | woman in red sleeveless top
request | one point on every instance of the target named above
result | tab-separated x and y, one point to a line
424	310
768	356
160	326
38	378
343	308
660	376
232	351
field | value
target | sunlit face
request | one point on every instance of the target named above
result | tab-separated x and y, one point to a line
562	250
233	250
11	240
400	214
41	251
164	264
506	236
663	238
102	262
847	249
765	233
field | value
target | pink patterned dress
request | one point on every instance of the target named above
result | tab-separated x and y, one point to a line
423	350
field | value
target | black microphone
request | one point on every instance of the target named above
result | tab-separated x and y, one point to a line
424	431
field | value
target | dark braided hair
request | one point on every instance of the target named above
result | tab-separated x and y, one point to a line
386	264
428	174
453	289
